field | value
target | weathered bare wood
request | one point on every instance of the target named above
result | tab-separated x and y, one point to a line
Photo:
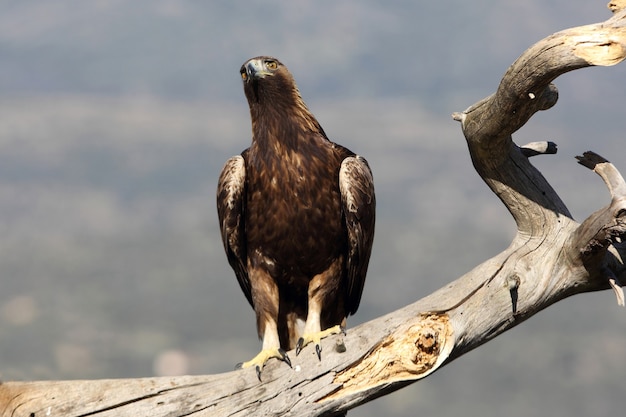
551	257
538	148
616	5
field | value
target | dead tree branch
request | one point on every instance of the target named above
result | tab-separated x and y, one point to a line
551	257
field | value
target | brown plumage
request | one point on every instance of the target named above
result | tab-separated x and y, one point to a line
296	213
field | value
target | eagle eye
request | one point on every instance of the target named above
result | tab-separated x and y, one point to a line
271	65
244	74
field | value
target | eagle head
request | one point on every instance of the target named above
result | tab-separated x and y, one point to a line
260	67
267	81
274	98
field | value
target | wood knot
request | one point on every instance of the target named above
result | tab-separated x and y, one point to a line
410	352
616	5
427	342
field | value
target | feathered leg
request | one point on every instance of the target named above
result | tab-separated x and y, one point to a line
265	300
322	292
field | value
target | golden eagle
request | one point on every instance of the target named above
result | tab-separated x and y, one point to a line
296	213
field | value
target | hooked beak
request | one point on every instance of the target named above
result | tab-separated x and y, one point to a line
255	68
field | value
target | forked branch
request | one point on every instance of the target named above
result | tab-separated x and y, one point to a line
551	257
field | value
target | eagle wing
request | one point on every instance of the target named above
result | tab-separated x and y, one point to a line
231	199
358	203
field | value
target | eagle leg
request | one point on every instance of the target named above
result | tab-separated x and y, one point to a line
322	295
316	338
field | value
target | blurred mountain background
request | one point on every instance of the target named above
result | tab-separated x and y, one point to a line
116	117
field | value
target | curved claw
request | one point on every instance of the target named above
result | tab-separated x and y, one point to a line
284	357
318	350
299	346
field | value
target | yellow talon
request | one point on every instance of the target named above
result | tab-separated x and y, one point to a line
316	338
259	360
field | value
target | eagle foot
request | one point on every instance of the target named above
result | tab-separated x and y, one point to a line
259	360
316	338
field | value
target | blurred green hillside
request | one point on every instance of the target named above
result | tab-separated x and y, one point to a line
116	118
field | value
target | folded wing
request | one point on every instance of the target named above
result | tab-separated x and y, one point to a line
356	185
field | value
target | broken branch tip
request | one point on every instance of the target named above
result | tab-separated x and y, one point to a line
459	116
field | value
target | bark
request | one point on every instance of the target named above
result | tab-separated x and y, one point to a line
551	257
